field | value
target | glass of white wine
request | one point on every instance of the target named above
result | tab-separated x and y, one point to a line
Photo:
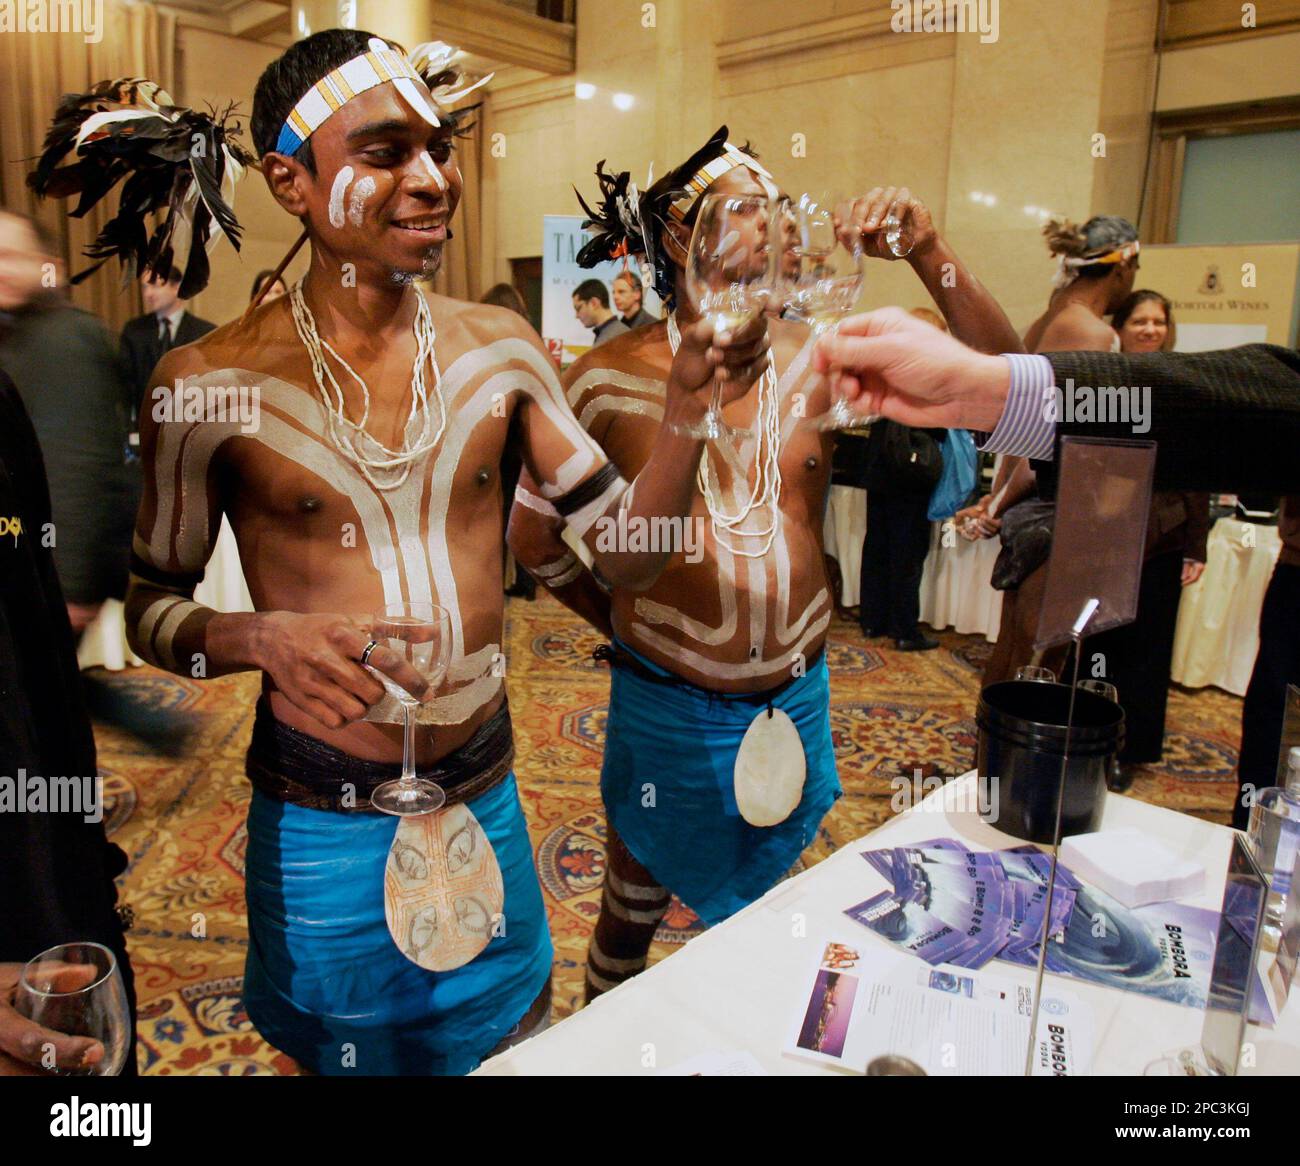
729	277
417	636
822	273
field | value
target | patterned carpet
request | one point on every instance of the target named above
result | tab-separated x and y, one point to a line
178	799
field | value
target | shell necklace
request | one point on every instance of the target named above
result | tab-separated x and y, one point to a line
766	490
382	467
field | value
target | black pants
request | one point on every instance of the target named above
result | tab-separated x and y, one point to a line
893	557
1136	658
1276	666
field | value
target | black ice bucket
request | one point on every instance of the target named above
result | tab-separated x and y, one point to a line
1021	742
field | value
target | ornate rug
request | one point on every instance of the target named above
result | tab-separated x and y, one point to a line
178	799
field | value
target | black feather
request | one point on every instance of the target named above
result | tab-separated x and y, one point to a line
156	161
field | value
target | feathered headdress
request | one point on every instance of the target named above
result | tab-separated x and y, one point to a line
168	159
629	222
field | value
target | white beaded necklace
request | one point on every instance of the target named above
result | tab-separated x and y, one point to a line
350	438
766	491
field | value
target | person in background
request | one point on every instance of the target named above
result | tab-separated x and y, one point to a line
1136	657
62	363
166	324
56	869
628	294
1276	665
1096	264
591	306
506	295
274	292
900	476
522	586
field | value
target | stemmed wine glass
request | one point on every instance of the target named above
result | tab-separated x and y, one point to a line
821	271
76	988
420	635
729	277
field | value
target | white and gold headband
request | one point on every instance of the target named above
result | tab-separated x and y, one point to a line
1067	266
731	157
379	65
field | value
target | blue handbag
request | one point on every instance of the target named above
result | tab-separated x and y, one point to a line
960	473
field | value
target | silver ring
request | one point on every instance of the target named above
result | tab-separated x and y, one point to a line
370	647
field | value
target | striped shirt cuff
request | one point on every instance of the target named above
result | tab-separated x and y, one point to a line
1026	428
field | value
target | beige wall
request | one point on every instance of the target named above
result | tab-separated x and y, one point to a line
219	69
1253	69
943	113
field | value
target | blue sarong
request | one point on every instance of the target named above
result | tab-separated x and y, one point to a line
668	782
324	980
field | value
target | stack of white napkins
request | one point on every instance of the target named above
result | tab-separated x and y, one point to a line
1131	866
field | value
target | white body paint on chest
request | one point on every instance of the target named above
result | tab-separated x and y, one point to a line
337	192
644	396
411	565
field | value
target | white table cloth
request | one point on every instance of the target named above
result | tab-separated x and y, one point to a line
955	588
741	984
1218	618
223	588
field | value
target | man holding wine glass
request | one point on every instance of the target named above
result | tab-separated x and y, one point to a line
366	504
718	758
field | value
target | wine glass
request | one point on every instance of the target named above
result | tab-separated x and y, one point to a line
821	271
899	235
419	635
1036	674
1102	688
729	277
76	988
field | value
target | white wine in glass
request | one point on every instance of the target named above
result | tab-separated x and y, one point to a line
416	643
822	274
77	989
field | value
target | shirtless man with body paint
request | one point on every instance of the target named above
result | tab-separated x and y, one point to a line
721	638
371	957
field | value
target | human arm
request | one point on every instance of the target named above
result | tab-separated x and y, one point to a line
1224	420
535	539
973	315
1197	537
574	475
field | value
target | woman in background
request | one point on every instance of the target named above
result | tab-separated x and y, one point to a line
1096	263
274	292
1136	657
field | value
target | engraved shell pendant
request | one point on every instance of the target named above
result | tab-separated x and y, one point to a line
770	769
443	893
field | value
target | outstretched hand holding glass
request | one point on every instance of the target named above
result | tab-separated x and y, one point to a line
893	365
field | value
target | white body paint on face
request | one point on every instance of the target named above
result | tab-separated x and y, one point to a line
432	167
337	191
361	193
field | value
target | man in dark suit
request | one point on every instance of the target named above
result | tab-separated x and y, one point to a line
165	325
1224	420
57	869
62	363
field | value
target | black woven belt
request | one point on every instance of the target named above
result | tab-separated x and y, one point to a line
291	766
